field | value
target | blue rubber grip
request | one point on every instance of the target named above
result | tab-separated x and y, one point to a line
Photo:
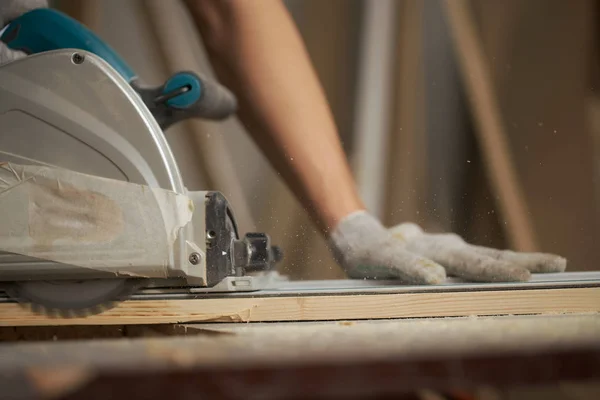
187	99
45	29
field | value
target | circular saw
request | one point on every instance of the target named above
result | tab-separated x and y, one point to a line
92	201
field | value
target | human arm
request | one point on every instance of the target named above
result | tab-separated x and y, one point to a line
258	53
293	125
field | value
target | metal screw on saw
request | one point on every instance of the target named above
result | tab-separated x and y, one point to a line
77	58
194	258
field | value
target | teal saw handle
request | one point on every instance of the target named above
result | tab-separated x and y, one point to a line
45	29
185	95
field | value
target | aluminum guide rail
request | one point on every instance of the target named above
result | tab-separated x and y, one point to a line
351	287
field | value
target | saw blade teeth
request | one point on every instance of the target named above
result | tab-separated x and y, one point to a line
51	312
34	305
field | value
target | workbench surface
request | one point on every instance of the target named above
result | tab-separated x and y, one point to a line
279	360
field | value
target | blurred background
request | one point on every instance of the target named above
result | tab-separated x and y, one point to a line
480	117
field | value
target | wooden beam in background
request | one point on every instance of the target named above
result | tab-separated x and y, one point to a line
373	98
88	12
406	189
326	27
593	116
173	38
490	128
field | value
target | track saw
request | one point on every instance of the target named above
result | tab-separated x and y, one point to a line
92	202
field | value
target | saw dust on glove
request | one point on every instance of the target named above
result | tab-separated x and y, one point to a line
9	10
368	250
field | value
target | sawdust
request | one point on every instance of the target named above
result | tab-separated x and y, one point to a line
244	315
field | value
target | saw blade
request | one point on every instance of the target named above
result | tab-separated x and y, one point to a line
73	298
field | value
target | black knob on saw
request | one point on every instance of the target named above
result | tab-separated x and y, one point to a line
255	253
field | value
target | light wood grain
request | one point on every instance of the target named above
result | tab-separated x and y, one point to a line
322	308
490	127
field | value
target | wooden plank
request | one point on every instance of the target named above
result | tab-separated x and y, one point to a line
367	359
96	332
490	129
280	343
325	307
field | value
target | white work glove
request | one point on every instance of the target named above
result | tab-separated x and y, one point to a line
9	10
367	250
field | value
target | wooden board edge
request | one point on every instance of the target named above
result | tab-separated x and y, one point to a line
325	308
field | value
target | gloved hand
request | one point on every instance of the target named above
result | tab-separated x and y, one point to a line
9	10
367	250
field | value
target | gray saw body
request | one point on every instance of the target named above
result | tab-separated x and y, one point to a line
70	109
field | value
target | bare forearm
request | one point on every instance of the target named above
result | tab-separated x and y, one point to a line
258	53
